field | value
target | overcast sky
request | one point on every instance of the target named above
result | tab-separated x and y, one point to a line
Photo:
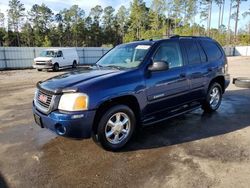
57	5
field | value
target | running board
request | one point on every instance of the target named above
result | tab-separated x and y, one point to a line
173	113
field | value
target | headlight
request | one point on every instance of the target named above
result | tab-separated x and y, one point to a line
73	102
35	95
49	62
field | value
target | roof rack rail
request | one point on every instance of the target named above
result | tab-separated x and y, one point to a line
138	40
179	36
174	36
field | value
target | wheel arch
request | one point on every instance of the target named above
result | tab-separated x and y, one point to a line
220	80
128	100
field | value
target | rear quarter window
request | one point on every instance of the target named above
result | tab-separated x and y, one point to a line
202	54
212	50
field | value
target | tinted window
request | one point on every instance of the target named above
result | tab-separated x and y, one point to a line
212	50
59	54
192	51
169	52
202	54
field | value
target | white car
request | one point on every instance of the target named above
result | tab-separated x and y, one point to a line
56	59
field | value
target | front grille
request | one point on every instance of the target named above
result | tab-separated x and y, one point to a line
40	63
43	101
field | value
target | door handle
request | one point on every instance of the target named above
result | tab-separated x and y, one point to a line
210	69
183	75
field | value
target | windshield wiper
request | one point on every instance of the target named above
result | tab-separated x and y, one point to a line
115	67
96	65
108	66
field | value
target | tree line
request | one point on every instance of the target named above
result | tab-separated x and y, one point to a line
40	26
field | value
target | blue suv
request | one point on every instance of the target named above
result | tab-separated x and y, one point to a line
133	85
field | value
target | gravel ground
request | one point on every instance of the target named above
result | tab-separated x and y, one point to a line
193	150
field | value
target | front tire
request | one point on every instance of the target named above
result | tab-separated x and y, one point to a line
74	65
213	98
116	127
56	67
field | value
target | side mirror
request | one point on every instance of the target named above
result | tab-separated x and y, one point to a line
159	66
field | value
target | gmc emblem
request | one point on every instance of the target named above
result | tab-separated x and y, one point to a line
43	98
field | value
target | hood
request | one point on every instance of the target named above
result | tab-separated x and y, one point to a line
43	58
69	80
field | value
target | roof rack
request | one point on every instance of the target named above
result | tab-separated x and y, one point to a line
178	36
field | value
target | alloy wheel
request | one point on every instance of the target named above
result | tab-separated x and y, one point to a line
117	128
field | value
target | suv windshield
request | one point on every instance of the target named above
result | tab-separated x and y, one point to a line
48	53
125	56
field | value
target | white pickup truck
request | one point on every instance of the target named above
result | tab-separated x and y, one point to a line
56	59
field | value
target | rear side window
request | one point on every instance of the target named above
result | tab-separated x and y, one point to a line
59	54
192	51
212	50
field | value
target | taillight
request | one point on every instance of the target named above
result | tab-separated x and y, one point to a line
226	66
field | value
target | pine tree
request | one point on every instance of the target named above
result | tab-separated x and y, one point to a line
2	19
235	16
122	21
41	18
108	25
138	19
96	30
15	17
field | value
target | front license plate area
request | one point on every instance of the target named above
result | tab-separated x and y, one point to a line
38	120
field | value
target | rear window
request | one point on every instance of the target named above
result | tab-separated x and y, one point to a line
212	50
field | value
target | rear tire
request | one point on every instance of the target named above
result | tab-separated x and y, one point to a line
56	67
116	127
213	98
39	70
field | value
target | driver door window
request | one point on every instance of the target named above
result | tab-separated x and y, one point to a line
170	53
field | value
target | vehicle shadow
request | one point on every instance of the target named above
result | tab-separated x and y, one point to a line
231	116
3	183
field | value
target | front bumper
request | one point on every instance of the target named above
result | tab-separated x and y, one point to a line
42	66
75	124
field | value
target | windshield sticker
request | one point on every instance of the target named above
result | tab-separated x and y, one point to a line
142	47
